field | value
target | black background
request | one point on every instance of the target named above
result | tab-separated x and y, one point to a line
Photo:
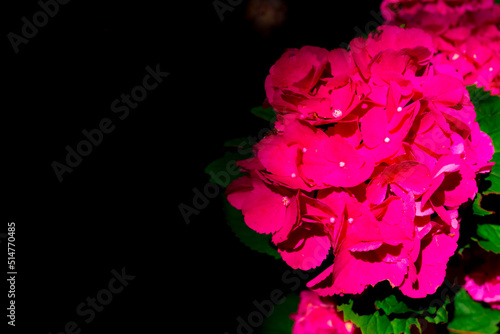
119	207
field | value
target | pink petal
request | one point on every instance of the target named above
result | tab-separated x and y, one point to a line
309	254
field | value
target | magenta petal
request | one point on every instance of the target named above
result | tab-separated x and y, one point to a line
322	284
347	130
265	208
334	162
431	265
353	272
373	127
366	246
237	191
309	254
444	89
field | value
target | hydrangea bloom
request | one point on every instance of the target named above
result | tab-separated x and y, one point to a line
483	284
315	315
373	153
465	33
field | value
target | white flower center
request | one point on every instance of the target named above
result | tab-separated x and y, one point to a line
337	113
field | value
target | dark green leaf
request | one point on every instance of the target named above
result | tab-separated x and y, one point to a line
394	316
392	305
472	317
490	235
487	108
477	209
256	241
494	176
279	322
377	323
268	114
224	170
243	142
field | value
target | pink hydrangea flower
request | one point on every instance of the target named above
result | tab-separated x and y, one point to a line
483	284
319	316
464	32
373	152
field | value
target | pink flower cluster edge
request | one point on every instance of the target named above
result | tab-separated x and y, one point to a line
373	152
317	315
465	33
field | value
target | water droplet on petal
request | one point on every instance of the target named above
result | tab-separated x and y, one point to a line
337	113
341	164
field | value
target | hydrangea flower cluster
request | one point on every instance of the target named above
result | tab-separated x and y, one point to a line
373	152
465	33
483	284
315	315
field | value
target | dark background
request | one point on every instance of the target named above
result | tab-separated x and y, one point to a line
119	207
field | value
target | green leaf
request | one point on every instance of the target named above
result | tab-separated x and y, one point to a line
279	322
224	170
256	241
393	315
472	317
494	176
243	142
487	108
377	323
477	209
392	305
491	237
269	114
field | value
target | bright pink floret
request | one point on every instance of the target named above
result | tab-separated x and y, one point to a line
315	315
483	284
